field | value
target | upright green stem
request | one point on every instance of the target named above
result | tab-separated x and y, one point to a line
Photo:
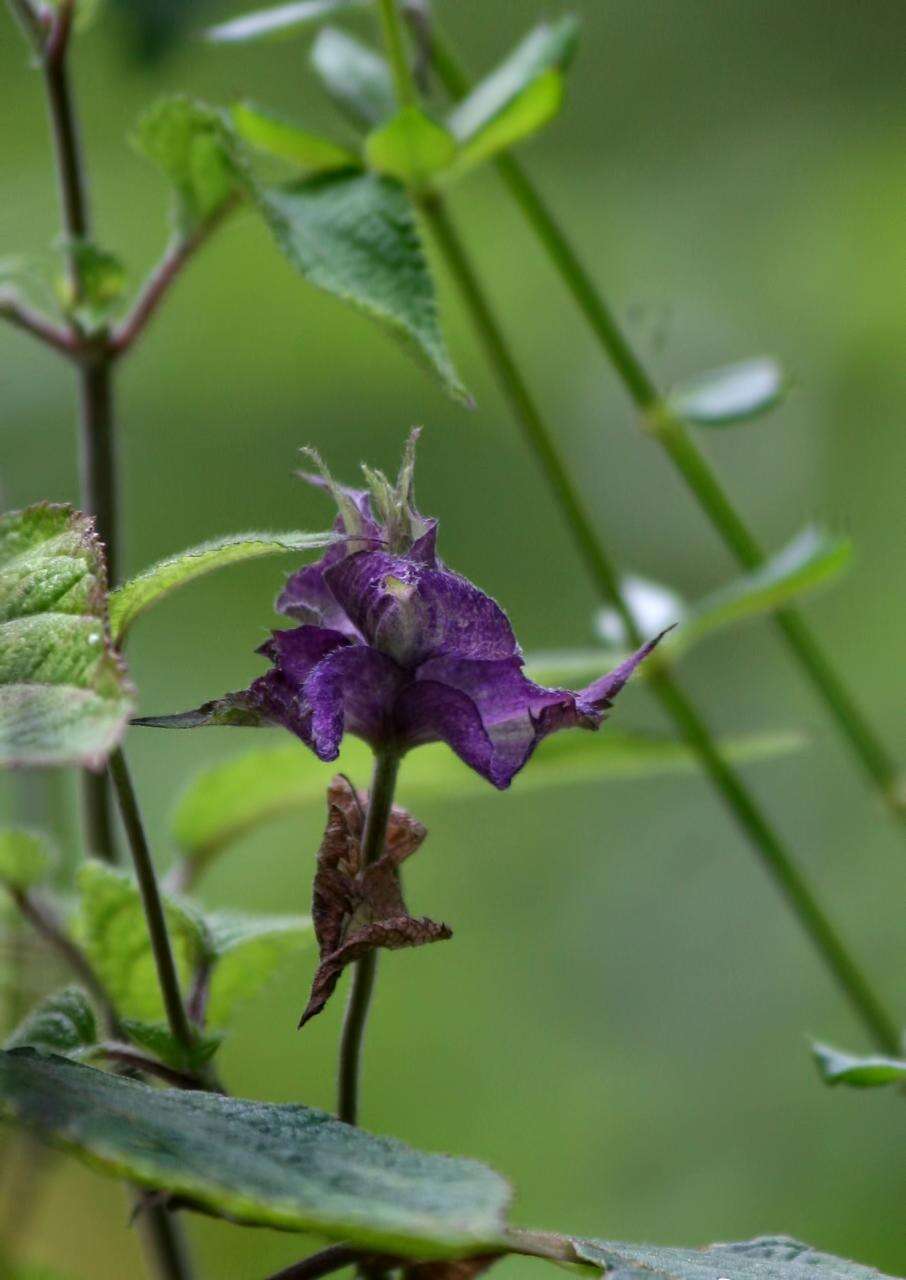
383	785
767	844
395	44
151	901
699	477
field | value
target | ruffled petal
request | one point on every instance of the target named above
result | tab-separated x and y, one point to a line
413	612
353	690
428	711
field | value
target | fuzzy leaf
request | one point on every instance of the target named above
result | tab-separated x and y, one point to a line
410	146
157	1038
189	143
111	926
226	800
354	235
767	1258
269	133
64	695
25	857
356	78
517	98
282	20
152	584
62	1023
732	394
259	1163
249	950
867	1072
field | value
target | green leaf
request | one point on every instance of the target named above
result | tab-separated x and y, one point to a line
355	236
101	283
410	146
767	1258
734	393
152	584
62	1023
111	927
277	137
228	799
282	20
356	78
157	1038
25	857
518	97
868	1072
64	695
190	143
249	951
258	1163
812	559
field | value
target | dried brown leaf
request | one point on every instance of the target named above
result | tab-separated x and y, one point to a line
357	908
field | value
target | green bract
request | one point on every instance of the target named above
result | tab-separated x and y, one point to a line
64	695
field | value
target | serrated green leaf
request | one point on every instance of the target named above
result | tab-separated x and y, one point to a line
191	145
64	695
548	48
111	927
281	20
766	1258
261	1164
152	584
271	134
157	1038
62	1023
410	146
249	951
228	799
734	393
865	1072
357	79
355	236
25	857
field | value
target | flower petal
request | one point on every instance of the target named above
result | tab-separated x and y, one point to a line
354	689
428	711
601	692
414	612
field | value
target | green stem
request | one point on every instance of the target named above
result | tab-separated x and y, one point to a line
395	43
767	844
383	784
151	901
874	758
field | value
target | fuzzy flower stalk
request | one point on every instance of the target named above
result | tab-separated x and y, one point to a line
399	650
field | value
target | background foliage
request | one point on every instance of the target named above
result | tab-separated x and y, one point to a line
625	996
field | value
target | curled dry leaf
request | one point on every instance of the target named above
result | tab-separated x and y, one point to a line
357	908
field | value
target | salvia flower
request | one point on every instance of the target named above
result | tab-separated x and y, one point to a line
399	650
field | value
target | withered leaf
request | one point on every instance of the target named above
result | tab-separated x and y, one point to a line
355	908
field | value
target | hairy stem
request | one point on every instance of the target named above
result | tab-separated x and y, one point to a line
767	844
380	802
151	901
698	475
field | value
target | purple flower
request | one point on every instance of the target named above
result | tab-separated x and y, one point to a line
399	650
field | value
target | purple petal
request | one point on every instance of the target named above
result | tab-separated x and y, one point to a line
601	692
430	712
354	689
414	613
296	651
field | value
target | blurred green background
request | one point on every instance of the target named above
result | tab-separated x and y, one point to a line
621	1022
